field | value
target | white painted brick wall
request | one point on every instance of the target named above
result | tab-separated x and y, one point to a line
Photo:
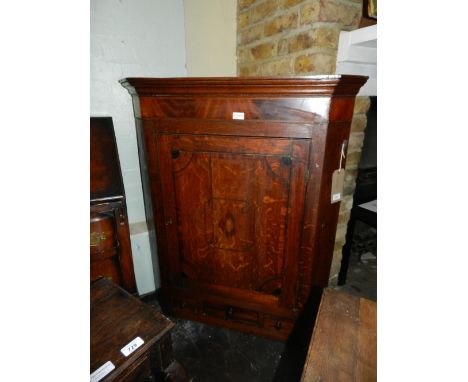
133	38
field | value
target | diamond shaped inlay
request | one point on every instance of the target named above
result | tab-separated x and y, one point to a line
228	225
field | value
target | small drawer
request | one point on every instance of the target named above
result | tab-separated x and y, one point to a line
108	268
102	233
232	313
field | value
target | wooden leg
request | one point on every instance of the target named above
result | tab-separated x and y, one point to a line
165	367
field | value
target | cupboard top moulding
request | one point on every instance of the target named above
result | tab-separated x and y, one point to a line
324	85
236	176
257	97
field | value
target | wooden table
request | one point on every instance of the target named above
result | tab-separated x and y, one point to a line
344	341
121	323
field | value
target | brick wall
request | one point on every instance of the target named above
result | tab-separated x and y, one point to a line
292	37
300	37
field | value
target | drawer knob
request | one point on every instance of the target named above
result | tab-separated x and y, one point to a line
229	311
278	325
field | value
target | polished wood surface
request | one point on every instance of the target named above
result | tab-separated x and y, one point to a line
320	85
344	340
105	174
241	208
110	247
117	318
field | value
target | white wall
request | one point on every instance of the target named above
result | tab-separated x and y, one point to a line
210	35
133	38
357	54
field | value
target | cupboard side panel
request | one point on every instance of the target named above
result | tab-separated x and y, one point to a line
327	213
299	159
321	217
168	216
309	228
149	169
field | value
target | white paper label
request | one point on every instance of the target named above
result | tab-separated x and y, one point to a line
132	346
336	197
102	371
237	115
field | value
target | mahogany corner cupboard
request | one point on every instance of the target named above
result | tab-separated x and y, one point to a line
237	177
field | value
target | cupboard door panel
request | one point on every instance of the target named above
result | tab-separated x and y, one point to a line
231	208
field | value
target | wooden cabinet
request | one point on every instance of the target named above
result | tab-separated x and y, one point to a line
237	181
110	248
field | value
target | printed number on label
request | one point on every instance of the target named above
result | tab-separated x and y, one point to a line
237	115
132	346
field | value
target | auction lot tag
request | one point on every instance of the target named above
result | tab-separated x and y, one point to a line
132	346
100	373
237	115
337	185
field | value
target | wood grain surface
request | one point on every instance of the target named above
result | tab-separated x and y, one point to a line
241	208
116	319
110	247
344	340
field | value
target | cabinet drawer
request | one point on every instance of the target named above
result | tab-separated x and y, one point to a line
102	232
232	313
108	268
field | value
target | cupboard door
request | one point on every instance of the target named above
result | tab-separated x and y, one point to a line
233	211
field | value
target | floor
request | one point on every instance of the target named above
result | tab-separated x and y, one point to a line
215	354
362	272
211	354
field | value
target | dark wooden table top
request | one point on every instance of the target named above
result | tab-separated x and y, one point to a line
117	318
344	341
